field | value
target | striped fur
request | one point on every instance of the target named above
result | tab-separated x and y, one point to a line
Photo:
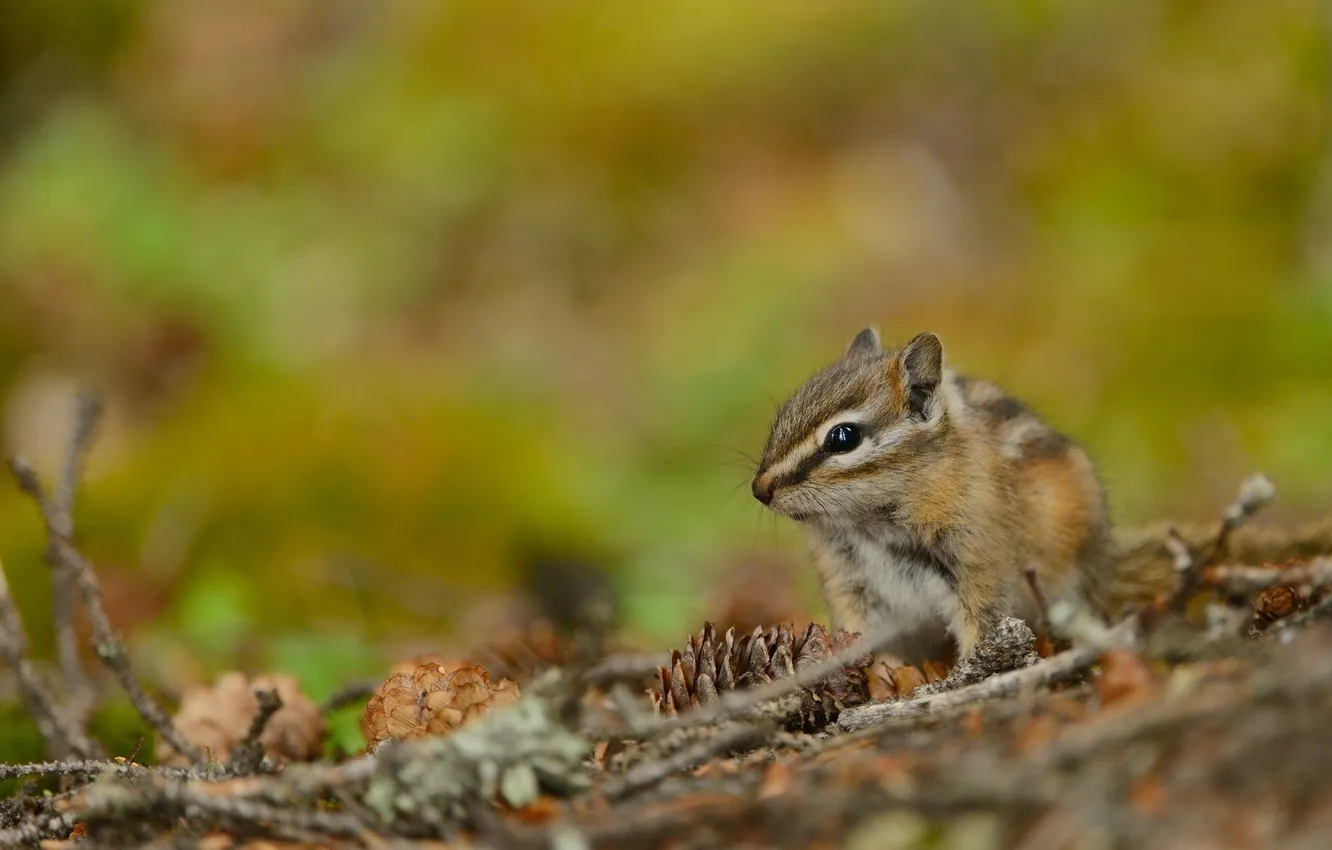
928	525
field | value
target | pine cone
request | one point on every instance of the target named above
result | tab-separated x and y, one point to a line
1277	603
432	701
710	666
216	719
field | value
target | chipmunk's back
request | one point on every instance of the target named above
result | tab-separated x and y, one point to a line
1057	493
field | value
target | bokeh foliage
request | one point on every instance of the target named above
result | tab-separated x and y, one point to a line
380	293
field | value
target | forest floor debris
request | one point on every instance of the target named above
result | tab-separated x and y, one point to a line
1198	719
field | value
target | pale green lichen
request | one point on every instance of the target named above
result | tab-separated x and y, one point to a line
512	754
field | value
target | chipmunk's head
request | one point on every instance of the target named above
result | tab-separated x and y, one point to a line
851	436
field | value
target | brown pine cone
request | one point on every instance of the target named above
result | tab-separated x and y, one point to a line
216	719
432	700
1276	603
710	666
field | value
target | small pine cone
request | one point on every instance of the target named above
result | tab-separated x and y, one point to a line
709	666
432	701
1274	603
216	719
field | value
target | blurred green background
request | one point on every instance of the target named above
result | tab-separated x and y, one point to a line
380	293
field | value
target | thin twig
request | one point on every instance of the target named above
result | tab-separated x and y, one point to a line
208	801
1048	671
248	754
62	737
92	767
1114	731
625	666
110	648
1256	492
1243	580
1188	568
721	809
87	414
24	835
649	773
356	692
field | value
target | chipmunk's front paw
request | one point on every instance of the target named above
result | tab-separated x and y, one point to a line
890	678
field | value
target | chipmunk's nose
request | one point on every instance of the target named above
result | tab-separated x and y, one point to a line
762	488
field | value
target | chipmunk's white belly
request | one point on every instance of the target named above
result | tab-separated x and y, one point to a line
912	591
909	597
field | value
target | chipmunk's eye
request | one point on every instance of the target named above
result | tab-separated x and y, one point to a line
842	438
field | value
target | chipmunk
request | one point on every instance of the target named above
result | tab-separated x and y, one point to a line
927	496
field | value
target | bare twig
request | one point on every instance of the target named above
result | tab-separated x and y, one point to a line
91	768
724	808
625	666
649	773
1242	580
87	413
110	649
1049	671
62	737
248	754
24	835
1182	711
1256	492
356	692
207	801
1188	568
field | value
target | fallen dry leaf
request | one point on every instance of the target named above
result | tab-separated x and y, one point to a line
543	809
776	781
1037	733
1124	677
1148	796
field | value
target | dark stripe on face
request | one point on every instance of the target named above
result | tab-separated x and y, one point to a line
802	470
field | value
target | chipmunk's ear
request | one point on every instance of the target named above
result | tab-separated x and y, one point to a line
922	370
865	344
